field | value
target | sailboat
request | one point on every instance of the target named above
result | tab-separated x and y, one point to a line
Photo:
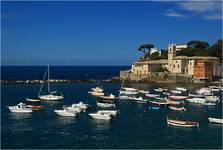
51	94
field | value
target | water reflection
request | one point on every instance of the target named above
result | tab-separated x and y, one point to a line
18	116
65	120
101	125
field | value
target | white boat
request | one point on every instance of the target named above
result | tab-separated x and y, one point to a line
111	97
138	99
143	91
181	89
208	104
159	103
50	96
123	97
78	107
97	89
20	108
109	112
176	97
215	120
166	93
152	95
94	93
66	112
182	123
173	102
105	105
212	98
204	91
128	91
196	100
32	100
176	92
102	116
177	108
195	95
158	90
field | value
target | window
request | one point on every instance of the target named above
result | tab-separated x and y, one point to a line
178	66
137	72
176	61
173	66
145	71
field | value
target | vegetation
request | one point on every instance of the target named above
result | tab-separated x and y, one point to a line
202	48
194	48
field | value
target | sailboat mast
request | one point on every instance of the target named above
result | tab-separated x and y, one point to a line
48	79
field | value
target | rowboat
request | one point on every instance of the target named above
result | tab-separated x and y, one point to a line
175	97
128	91
32	100
176	91
177	108
173	102
181	89
215	120
196	100
160	103
195	95
152	95
35	107
181	123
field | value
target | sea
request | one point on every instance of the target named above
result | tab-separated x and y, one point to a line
135	127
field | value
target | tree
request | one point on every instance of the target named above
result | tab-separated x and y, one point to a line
196	44
145	47
154	56
216	49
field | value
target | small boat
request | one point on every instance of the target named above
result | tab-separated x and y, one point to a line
109	112
176	92
123	97
159	103
128	91
212	98
158	90
204	91
32	100
181	89
173	102
154	107
50	96
35	107
215	120
20	108
97	89
66	112
78	107
208	104
196	100
143	91
166	93
102	116
110	97
177	108
195	95
181	123
176	97
152	95
105	105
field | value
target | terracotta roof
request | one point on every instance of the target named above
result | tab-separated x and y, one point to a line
161	61
195	57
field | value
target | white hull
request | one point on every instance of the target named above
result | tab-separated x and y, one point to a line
143	92
176	92
20	108
211	98
51	97
128	92
196	100
105	105
65	113
181	89
215	120
152	95
123	97
108	112
177	108
96	93
195	95
32	100
182	123
100	116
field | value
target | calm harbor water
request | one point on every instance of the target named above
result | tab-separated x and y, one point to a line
135	127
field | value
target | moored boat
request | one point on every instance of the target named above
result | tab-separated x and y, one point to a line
128	91
212	98
109	112
196	100
215	120
159	103
209	104
32	100
66	113
173	102
152	95
35	107
105	105
110	97
176	91
101	116
176	97
177	108
182	123
181	89
195	95
143	91
20	108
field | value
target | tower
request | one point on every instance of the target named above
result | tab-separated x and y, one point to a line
171	55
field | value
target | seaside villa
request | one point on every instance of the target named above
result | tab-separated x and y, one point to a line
198	67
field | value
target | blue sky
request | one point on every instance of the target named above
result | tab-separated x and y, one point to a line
100	33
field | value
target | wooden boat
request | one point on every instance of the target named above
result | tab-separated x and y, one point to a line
35	107
181	123
32	100
159	103
177	108
215	120
175	97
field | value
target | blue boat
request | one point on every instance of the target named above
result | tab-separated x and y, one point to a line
154	107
